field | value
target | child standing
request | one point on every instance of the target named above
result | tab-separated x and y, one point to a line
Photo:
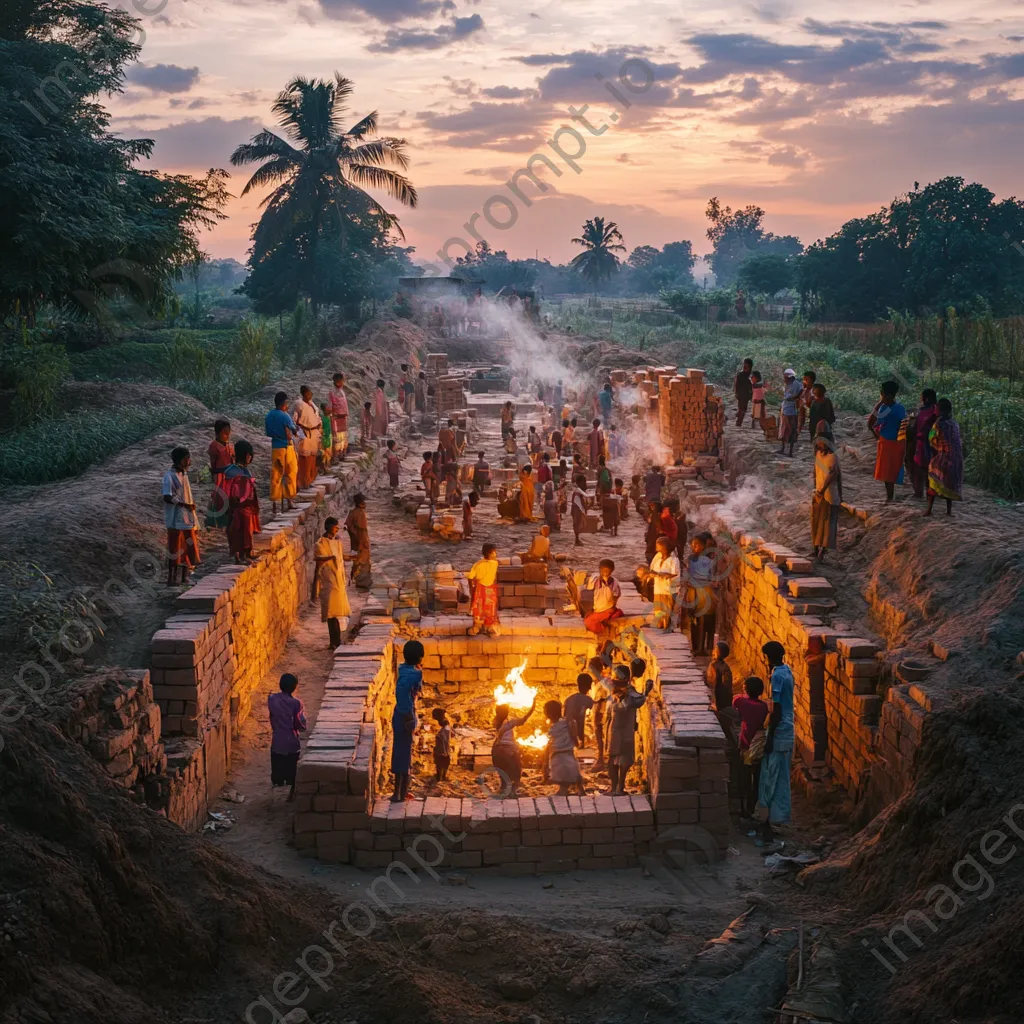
483	581
576	707
758	389
408	686
600	693
287	720
752	713
180	518
442	744
366	424
394	465
222	455
429	478
560	755
469	503
243	504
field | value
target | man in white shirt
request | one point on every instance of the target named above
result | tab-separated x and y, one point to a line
180	518
307	419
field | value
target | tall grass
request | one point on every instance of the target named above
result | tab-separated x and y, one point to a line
67	445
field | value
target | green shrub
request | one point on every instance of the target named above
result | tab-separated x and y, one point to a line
68	445
254	355
35	370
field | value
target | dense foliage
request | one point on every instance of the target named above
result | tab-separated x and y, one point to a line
737	236
79	222
321	234
947	245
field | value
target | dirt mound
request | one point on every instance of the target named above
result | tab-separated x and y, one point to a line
96	396
934	867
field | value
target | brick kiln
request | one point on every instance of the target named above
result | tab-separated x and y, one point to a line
340	812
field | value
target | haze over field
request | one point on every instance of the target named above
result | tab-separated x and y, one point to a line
784	104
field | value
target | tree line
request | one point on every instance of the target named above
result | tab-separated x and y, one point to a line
81	223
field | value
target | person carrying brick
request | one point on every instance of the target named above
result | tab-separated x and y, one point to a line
329	578
287	720
483	582
622	709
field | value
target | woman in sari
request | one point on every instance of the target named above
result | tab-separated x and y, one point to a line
222	455
919	452
886	422
946	468
359	538
243	504
483	582
526	494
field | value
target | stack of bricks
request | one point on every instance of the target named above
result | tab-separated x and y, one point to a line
113	715
691	417
837	703
342	759
450	395
853	707
457	663
189	792
902	720
525	836
683	745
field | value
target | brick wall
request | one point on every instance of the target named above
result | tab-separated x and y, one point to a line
345	764
841	679
226	634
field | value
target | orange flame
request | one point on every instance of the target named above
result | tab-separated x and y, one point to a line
516	694
538	741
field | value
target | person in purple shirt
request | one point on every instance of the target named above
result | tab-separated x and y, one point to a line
287	720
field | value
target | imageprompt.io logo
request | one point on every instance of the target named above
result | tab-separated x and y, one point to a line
685	858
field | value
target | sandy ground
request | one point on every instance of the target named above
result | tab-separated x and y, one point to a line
699	901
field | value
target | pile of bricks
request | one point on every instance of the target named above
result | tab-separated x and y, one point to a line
449	394
691	417
526	836
839	699
901	722
113	715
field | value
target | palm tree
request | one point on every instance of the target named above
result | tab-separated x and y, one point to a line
599	261
320	170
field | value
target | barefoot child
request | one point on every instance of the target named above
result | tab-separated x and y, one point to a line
394	465
180	518
483	583
243	504
576	707
559	755
366	424
408	686
428	475
506	754
287	720
442	744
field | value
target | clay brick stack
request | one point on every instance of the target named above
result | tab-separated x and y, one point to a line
450	394
526	836
683	744
853	707
114	716
189	793
902	719
691	417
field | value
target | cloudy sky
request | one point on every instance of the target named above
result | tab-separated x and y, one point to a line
816	117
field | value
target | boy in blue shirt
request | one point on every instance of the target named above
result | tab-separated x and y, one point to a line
284	465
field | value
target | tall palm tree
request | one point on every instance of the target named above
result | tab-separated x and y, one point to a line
598	262
320	170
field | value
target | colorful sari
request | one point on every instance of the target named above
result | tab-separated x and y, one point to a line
243	508
891	453
484	607
946	468
921	453
526	496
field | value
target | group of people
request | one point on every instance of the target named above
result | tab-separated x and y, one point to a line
607	693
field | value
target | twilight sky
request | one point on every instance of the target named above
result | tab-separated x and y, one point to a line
814	116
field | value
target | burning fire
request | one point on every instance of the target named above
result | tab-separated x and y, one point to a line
515	693
538	741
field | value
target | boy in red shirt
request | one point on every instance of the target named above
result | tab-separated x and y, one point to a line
753	713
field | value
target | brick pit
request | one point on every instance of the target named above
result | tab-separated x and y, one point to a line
342	810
